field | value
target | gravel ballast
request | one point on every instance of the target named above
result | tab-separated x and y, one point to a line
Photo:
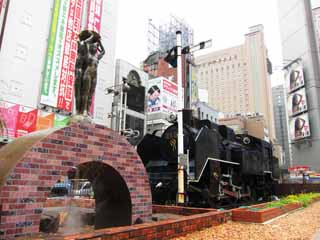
300	224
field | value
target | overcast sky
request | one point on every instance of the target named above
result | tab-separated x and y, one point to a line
223	21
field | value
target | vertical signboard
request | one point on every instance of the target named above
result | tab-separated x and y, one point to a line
154	91
27	121
297	102
169	96
65	95
194	86
9	115
93	23
94	15
58	79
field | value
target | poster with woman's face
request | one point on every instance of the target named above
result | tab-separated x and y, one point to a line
297	102
299	127
295	78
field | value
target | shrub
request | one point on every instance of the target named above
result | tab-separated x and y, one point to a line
304	199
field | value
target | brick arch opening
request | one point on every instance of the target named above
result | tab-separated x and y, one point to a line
44	157
112	196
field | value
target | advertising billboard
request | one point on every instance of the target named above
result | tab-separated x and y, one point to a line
9	115
194	86
58	79
154	91
45	120
297	102
93	23
162	96
294	78
169	96
94	15
299	127
27	121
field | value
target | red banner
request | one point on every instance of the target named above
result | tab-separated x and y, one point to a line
170	87
94	15
65	96
299	168
9	115
27	121
94	23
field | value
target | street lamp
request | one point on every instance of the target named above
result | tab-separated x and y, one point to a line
116	90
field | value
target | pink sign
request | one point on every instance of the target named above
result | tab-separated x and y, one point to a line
94	15
9	114
1	3
170	87
65	95
27	121
94	24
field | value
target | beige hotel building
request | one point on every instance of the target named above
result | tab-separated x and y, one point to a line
237	78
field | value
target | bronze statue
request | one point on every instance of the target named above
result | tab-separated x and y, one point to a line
90	51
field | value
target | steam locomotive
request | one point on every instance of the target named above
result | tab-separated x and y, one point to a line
223	167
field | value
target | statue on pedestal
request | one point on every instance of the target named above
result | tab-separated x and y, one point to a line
90	51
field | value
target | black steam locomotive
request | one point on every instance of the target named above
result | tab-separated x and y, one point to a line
223	168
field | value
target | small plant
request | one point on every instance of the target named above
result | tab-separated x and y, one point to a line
304	199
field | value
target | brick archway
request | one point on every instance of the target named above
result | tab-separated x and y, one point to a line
42	161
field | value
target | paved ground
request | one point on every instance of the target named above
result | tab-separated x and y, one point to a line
301	224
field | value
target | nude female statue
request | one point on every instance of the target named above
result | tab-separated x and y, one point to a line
90	51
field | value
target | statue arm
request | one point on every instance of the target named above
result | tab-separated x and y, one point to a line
101	50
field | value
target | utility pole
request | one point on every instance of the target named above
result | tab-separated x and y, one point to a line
180	194
174	58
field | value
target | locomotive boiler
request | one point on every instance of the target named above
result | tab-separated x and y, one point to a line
223	168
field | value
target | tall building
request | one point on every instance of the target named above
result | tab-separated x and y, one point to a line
36	89
281	122
237	78
300	53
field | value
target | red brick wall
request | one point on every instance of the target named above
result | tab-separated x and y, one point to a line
163	70
22	197
74	202
185	211
162	230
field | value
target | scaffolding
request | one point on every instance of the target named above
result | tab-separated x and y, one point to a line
153	37
163	38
